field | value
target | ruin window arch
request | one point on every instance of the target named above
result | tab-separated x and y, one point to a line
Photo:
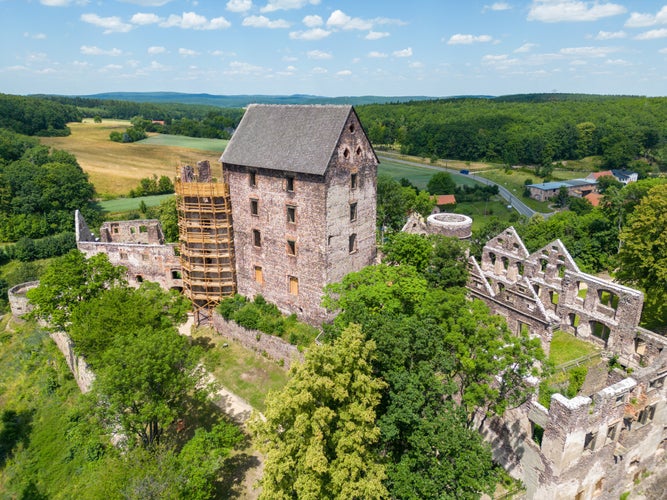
582	290
561	270
543	265
351	128
506	263
600	330
608	298
519	268
358	151
346	153
492	257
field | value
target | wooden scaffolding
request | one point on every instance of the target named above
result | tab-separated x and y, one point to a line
206	243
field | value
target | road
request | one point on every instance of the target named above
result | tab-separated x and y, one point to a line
511	198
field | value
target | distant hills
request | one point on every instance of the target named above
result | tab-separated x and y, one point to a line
239	101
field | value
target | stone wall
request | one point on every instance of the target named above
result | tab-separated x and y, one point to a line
274	347
18	302
77	364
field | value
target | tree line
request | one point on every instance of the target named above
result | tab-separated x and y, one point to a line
527	130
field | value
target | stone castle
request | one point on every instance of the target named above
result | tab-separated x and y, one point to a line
295	210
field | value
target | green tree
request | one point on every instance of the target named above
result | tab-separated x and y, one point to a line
643	254
320	428
562	198
408	249
70	280
441	183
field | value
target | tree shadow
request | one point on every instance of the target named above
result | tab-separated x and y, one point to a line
232	481
206	343
16	429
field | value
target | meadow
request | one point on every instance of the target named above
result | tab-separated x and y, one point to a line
116	168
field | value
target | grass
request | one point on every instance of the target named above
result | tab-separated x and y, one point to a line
514	180
115	168
181	141
481	211
566	347
239	370
419	176
128	204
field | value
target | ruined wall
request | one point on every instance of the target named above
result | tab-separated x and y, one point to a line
448	224
136	245
274	347
18	302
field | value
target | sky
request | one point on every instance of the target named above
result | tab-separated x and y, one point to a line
334	47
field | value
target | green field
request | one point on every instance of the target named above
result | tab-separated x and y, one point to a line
419	176
180	141
566	347
129	204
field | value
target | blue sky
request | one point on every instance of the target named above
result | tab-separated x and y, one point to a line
334	47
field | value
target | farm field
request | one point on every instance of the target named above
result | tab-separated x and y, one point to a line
115	168
118	205
419	176
181	141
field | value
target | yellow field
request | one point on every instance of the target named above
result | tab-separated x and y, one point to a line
115	168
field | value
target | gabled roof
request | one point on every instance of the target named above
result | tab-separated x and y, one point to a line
445	199
597	175
287	137
594	198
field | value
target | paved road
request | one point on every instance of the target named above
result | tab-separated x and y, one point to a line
510	197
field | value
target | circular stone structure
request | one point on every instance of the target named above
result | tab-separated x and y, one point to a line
448	224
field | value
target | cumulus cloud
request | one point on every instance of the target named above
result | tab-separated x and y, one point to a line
156	50
236	68
92	50
111	24
526	47
403	53
339	20
376	35
63	3
553	11
318	54
610	35
313	21
638	20
148	3
461	39
499	62
187	52
344	72
264	22
588	51
239	5
274	5
192	20
376	54
652	34
142	18
313	34
35	36
663	51
498	6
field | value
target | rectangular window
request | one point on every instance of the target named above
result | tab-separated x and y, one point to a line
256	238
254	207
589	441
353	181
353	212
291	214
252	179
291	247
289	184
143	229
293	285
123	256
259	275
611	432
352	247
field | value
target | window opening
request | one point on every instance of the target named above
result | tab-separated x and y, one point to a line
143	229
259	275
293	285
353	212
254	207
291	214
346	153
289	184
352	246
176	274
252	179
256	237
353	181
291	247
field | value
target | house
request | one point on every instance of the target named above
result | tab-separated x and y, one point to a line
302	181
444	200
625	176
594	176
594	198
575	187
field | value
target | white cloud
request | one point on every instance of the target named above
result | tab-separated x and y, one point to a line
313	21
553	11
618	62
192	20
112	67
376	54
274	5
500	62
264	22
239	5
143	18
187	52
156	50
338	19
638	20
498	6
376	35
319	70
156	66
290	59
526	47
403	53
242	68
344	72
63	3
313	34
652	34
416	65
35	36
610	35
663	51
111	24
148	3
460	39
91	50
318	54
588	51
